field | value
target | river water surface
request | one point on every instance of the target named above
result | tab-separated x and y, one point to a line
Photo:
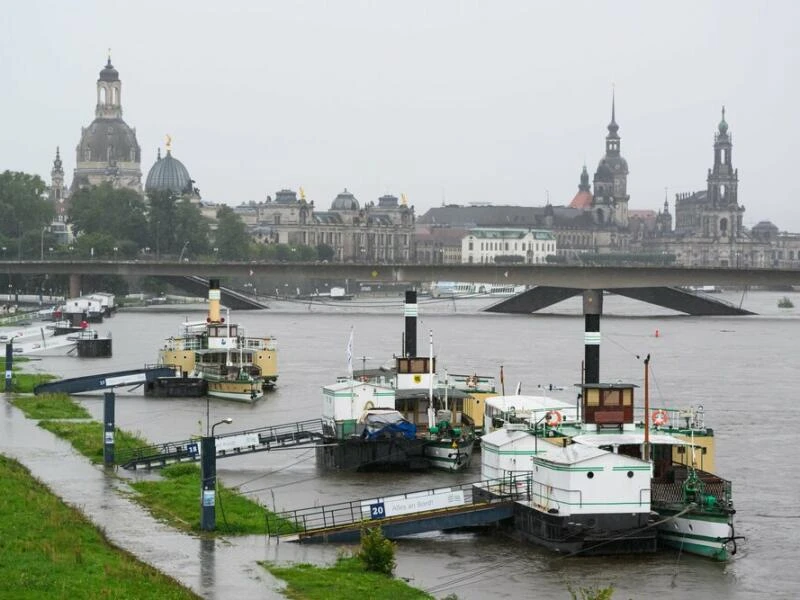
743	370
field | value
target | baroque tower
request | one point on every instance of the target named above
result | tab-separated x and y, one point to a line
725	218
57	193
610	202
108	150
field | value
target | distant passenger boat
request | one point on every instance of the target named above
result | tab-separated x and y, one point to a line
448	289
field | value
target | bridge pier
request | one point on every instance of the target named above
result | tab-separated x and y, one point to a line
74	285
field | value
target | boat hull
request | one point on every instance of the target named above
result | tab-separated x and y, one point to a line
235	390
449	455
356	454
703	534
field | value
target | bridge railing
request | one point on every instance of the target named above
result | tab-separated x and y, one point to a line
373	510
227	444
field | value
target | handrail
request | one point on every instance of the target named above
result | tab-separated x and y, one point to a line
356	511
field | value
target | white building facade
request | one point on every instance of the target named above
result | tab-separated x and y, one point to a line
528	246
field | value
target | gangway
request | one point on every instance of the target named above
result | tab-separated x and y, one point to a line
434	509
89	383
263	439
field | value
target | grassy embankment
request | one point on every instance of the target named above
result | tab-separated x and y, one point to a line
175	498
25	382
346	579
49	550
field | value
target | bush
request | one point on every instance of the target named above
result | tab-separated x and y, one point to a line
377	553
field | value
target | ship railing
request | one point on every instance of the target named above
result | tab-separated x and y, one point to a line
365	511
674	491
690	417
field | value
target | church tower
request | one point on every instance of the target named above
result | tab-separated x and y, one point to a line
610	200
57	192
723	216
108	150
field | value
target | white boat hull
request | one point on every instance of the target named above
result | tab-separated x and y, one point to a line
239	391
697	534
449	455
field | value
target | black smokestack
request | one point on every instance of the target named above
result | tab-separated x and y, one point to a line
592	309
410	312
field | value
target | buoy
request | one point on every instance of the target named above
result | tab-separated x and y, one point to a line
657	333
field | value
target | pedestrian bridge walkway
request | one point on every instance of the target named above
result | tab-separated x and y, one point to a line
399	515
263	439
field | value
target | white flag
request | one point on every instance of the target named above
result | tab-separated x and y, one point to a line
350	355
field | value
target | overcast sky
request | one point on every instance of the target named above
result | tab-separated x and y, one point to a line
444	101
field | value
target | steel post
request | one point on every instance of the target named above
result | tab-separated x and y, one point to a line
208	485
108	429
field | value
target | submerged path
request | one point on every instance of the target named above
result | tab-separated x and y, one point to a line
213	568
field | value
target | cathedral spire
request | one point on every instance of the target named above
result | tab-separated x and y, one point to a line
613	127
57	164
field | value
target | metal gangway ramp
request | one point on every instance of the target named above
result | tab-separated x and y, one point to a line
102	381
262	439
473	504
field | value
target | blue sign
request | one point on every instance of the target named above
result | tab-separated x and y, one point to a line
191	448
377	511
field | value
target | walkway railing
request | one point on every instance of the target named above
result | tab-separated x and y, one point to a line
260	439
401	506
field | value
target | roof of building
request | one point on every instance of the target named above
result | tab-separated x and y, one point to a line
345	201
581	200
109	140
109	73
168	173
506	216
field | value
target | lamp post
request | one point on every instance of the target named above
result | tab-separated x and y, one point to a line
45	228
208	479
185	245
547	416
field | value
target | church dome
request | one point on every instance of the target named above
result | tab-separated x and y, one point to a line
109	73
109	141
168	173
345	201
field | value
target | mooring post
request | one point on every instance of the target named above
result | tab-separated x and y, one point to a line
208	478
108	429
9	365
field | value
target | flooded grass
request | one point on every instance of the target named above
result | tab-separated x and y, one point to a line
50	406
87	438
49	550
176	499
344	580
24	383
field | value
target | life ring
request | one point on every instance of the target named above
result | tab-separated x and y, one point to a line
369	405
660	417
553	418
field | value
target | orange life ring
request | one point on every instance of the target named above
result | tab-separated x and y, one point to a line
554	419
660	417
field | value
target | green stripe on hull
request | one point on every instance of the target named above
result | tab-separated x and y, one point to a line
717	551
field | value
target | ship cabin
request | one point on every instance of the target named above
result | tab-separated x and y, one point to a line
607	406
415	372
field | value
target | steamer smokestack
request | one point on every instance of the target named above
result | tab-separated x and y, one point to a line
213	301
411	323
592	309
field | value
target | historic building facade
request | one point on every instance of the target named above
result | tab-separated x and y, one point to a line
381	232
522	246
108	150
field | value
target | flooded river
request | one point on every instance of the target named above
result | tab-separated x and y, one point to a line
743	370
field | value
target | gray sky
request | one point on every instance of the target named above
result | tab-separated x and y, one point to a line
455	101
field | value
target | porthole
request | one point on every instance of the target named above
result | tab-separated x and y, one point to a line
630	474
590	475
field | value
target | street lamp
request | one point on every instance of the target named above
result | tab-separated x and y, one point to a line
45	228
208	478
185	245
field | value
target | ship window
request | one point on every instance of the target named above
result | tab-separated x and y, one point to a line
630	474
592	397
611	398
627	397
590	475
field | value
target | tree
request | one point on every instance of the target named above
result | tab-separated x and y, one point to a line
162	218
231	238
104	209
325	252
23	204
192	227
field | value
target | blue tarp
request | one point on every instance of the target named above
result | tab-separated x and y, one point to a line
388	424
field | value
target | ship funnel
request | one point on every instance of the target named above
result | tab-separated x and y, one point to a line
410	312
592	309
213	301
